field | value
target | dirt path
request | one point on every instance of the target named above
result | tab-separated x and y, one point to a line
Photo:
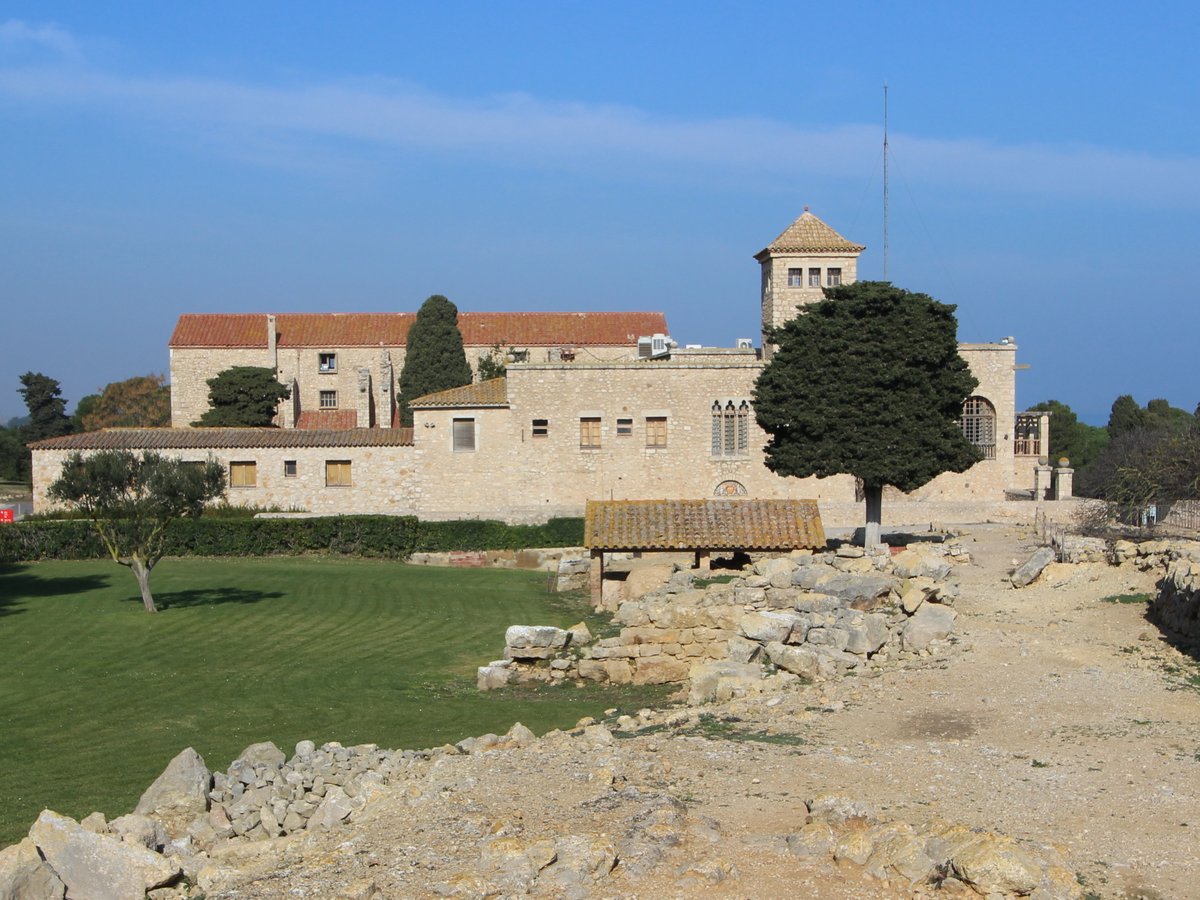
1057	718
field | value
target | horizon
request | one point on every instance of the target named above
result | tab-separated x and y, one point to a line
543	157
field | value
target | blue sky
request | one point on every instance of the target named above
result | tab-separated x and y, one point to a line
161	158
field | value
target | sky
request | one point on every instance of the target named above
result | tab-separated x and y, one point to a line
164	158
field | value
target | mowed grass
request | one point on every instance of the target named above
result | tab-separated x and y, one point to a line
96	695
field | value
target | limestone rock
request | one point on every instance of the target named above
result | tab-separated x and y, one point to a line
520	637
766	626
264	753
179	794
659	670
802	661
24	876
813	841
722	680
98	867
492	676
915	563
931	622
1032	567
141	830
851	587
995	864
580	634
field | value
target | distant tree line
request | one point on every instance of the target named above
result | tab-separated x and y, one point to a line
1144	455
141	401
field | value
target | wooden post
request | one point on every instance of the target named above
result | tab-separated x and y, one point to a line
703	560
596	578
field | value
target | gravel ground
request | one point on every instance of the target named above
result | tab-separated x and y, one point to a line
1055	718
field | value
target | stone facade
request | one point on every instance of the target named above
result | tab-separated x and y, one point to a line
579	416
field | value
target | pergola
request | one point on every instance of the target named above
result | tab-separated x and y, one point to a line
701	527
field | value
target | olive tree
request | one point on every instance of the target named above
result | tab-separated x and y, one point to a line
132	498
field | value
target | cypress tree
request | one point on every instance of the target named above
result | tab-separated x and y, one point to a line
434	358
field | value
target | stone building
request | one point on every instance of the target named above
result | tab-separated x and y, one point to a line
594	406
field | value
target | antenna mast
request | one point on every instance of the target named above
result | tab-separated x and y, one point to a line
885	181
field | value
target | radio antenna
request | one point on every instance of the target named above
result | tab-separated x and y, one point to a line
885	181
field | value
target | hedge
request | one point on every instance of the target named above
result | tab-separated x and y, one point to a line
390	537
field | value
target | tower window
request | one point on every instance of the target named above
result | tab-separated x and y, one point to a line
814	277
795	278
978	424
833	277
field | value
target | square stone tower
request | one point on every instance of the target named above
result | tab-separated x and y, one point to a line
807	257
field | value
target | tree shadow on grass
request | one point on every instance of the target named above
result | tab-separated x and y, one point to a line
206	597
19	583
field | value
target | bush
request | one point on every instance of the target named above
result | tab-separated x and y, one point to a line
388	537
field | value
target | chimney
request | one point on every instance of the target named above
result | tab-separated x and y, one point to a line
272	343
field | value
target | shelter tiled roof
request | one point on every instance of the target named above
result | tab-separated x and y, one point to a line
702	524
493	392
226	439
333	330
327	419
808	234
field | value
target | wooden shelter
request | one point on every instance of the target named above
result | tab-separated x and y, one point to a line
697	526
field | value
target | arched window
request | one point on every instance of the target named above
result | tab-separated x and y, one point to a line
730	427
978	424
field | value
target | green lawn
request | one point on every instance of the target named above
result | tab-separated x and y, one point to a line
96	695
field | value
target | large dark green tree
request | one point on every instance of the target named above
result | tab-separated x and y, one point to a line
1125	416
1077	441
47	409
131	499
434	358
867	382
244	396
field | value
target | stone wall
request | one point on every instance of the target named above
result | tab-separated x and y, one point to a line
383	479
191	367
803	617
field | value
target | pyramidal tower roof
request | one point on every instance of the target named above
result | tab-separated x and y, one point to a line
808	234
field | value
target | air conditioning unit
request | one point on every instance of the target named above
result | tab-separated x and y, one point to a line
745	343
654	346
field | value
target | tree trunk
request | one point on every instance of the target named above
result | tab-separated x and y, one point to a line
142	573
874	497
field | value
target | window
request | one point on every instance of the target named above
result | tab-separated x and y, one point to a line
624	427
337	473
328	399
730	427
463	431
814	277
833	277
1027	437
541	428
243	474
978	424
795	278
656	431
327	362
289	468
589	433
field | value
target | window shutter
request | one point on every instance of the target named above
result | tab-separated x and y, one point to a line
464	435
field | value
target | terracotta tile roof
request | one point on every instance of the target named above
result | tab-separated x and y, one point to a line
327	419
333	330
484	393
225	439
702	524
808	234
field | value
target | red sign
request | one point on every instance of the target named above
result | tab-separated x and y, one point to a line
6	515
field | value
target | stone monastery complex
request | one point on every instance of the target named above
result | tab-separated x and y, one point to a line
594	406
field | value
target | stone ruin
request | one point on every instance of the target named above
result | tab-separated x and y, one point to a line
803	617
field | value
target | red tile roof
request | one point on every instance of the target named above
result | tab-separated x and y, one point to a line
327	419
333	330
493	392
702	524
225	439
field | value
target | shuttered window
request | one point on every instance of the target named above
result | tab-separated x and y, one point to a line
243	474
589	433
656	431
464	435
337	473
